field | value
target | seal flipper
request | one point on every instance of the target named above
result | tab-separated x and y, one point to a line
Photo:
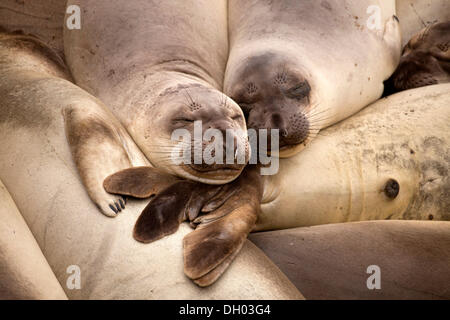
180	201
164	213
99	146
214	274
212	246
210	249
138	182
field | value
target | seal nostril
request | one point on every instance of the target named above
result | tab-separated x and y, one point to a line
391	188
277	120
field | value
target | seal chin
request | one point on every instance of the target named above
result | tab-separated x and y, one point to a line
220	175
288	150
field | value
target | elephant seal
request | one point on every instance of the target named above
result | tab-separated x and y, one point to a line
24	271
425	59
36	165
300	66
161	71
336	261
389	161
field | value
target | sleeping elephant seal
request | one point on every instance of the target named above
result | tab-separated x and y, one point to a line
159	72
300	66
37	167
24	271
337	261
389	161
425	59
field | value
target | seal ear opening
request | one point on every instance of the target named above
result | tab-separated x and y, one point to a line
164	214
138	182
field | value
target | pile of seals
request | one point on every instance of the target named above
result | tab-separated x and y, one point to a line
222	63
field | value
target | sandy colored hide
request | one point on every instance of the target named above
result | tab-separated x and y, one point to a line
390	161
24	271
331	261
37	167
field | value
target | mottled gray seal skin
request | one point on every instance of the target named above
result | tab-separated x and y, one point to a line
425	59
300	66
158	66
389	161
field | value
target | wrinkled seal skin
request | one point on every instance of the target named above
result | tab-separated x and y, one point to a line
331	261
425	59
36	165
300	66
158	65
389	161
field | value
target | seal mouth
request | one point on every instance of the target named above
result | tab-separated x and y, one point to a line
211	175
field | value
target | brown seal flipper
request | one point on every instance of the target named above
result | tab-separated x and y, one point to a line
215	273
220	235
138	182
180	201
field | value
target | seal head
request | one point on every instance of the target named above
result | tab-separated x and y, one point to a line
190	109
275	94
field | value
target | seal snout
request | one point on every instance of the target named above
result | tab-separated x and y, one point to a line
293	129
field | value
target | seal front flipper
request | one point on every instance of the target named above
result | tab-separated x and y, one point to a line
210	249
138	182
180	201
100	146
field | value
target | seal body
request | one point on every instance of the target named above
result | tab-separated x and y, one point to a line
390	161
25	273
342	261
44	19
299	66
37	167
160	71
